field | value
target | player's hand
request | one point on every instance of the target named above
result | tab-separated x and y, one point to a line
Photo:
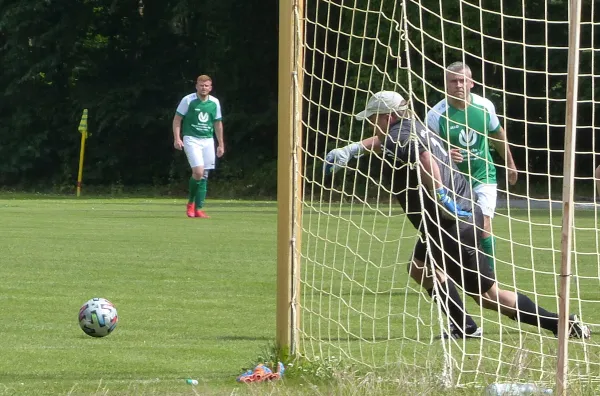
513	175
220	151
456	156
449	204
336	159
178	144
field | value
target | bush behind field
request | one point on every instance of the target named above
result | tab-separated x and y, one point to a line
260	185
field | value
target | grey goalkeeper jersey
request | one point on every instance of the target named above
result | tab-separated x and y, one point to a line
401	152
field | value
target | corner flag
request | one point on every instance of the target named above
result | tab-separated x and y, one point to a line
84	134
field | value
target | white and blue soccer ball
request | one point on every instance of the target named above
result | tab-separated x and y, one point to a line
98	317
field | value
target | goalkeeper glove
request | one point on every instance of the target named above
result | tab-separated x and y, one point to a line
449	204
338	158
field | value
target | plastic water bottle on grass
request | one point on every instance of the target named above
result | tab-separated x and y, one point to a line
512	389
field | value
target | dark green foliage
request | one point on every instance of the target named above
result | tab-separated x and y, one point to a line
130	71
499	40
130	68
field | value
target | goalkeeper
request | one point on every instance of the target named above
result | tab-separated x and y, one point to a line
437	200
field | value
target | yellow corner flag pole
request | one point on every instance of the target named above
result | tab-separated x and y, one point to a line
84	134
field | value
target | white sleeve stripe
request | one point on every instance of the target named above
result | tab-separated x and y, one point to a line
491	109
434	115
182	109
219	115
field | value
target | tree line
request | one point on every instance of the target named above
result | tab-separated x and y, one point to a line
131	62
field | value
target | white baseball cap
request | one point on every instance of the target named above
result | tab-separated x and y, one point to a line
383	102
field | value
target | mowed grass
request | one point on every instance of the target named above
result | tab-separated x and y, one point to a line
359	305
196	298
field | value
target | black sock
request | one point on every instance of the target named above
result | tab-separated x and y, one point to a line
529	313
456	308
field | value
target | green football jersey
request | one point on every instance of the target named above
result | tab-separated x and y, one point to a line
199	116
468	131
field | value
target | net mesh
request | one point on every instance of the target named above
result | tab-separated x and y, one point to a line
357	302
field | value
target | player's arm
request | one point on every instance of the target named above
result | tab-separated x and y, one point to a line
338	158
177	142
181	111
430	174
432	179
371	144
219	133
218	125
500	143
426	137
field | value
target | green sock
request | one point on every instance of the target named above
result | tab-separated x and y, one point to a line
201	193
487	245
193	187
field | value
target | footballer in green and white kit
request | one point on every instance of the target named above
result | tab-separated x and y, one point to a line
468	130
195	124
466	121
197	129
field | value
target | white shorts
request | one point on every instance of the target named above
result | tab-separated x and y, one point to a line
200	152
486	198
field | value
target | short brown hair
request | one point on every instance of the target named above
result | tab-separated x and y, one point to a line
203	78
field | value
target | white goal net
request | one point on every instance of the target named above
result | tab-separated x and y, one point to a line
356	302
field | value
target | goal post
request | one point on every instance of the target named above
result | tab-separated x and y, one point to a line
344	244
289	169
568	210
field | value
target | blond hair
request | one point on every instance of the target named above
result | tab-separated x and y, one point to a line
203	78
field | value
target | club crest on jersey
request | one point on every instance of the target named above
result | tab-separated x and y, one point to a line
203	117
468	138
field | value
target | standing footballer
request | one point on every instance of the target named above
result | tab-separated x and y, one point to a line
198	120
468	123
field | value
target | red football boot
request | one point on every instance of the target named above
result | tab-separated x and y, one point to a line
201	214
191	210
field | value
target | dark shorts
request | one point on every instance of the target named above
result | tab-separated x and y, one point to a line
454	251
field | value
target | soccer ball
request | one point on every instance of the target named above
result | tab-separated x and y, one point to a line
98	317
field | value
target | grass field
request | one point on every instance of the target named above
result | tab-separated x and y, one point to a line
196	298
359	304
